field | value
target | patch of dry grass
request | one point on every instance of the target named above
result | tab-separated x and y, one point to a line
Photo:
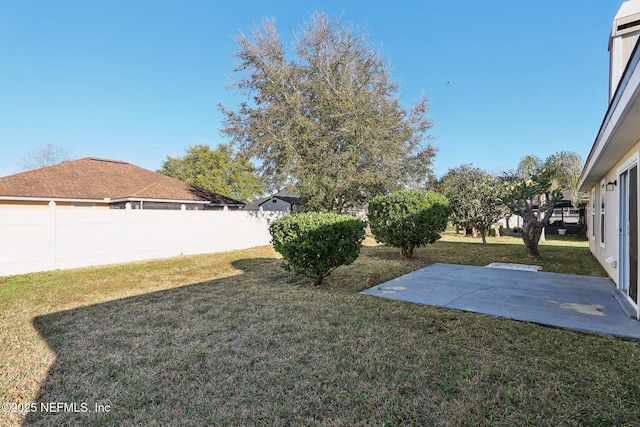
379	263
232	339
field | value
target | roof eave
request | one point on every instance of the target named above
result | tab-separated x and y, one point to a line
149	199
107	200
200	202
51	199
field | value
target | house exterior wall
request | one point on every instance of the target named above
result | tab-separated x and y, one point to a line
624	36
34	240
91	204
275	204
620	51
45	203
609	250
510	222
565	215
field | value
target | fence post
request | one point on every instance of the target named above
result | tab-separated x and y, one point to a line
226	226
261	221
183	228
53	256
127	233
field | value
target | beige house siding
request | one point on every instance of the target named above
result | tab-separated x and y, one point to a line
614	160
610	248
45	204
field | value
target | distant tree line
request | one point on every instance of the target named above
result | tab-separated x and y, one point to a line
479	199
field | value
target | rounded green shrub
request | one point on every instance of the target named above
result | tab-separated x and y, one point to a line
314	244
408	219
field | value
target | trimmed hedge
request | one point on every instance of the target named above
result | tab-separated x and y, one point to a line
408	219
314	244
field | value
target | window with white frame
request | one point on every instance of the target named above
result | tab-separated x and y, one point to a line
593	213
603	190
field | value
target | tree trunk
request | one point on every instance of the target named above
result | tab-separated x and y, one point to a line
531	236
407	251
482	231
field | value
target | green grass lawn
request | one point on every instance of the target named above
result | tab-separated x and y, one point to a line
232	339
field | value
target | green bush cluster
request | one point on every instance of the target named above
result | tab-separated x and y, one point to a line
408	219
314	244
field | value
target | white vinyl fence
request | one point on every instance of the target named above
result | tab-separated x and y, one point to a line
42	239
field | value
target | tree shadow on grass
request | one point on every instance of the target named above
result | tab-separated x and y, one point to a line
270	271
168	358
257	266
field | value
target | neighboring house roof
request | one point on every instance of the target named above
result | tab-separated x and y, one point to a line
285	192
620	128
289	199
103	180
284	195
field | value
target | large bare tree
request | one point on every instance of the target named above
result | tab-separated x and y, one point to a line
327	121
44	155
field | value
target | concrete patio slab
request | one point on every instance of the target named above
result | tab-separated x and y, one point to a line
582	303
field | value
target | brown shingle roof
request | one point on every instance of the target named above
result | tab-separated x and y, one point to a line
97	179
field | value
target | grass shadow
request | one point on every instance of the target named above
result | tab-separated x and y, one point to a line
131	355
171	357
268	271
232	351
251	266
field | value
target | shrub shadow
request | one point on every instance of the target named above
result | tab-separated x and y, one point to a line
147	359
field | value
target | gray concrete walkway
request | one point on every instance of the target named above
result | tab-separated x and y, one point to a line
582	303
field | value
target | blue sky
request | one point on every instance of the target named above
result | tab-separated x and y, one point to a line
138	80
